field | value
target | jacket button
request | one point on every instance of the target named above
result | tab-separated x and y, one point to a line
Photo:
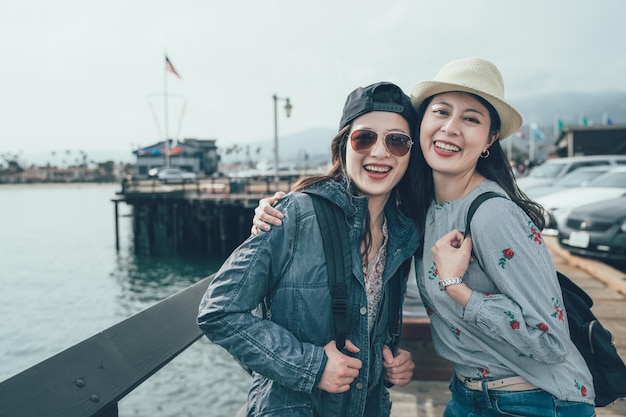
359	385
363	311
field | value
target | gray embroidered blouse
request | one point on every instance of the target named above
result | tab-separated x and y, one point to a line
514	323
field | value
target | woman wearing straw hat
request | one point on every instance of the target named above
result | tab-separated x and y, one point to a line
499	320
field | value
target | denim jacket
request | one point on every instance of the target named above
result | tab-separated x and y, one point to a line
282	273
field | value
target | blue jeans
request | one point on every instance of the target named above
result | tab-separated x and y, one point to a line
495	403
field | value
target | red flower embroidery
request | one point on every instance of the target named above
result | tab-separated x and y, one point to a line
508	254
484	373
456	331
543	327
558	311
534	235
430	311
560	315
513	323
582	388
432	272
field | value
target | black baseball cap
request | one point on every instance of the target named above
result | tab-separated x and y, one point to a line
361	101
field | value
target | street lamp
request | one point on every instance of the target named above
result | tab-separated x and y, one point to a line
288	107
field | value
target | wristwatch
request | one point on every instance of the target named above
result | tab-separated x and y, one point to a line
444	283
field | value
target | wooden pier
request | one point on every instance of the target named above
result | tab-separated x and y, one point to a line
208	217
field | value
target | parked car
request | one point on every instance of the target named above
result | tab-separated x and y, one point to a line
577	178
553	169
557	206
175	175
596	230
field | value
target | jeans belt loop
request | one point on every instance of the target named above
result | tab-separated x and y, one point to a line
514	383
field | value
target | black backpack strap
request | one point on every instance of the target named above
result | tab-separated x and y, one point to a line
569	285
472	210
395	308
334	229
474	206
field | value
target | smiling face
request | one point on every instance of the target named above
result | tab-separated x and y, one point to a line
376	171
453	133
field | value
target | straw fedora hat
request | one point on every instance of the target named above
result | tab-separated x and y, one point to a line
476	76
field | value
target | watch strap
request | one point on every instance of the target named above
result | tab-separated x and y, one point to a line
444	283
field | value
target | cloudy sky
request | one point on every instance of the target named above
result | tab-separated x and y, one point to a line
87	75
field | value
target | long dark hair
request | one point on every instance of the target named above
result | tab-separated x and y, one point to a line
495	167
405	197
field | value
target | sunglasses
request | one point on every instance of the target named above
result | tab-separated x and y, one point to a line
363	140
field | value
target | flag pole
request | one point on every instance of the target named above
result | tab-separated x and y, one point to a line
531	144
555	127
165	119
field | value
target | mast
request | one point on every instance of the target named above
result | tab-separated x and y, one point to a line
165	112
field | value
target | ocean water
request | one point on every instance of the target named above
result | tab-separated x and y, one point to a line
62	281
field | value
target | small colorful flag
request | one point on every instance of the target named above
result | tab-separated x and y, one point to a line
559	125
538	133
169	67
519	133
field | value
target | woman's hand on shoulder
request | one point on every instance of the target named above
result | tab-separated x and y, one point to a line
266	215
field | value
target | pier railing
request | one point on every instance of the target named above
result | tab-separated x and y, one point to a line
90	378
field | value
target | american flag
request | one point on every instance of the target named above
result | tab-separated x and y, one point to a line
169	67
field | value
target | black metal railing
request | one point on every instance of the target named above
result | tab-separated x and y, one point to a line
90	378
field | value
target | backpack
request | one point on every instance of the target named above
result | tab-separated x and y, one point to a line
594	342
334	229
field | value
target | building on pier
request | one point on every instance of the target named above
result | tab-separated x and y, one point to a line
195	155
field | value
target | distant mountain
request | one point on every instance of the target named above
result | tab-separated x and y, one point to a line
571	108
309	147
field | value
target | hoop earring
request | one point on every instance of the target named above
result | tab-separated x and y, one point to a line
485	154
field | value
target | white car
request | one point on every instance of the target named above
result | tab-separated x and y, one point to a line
553	169
577	178
557	206
175	175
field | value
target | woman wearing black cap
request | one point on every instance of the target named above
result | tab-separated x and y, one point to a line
290	347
